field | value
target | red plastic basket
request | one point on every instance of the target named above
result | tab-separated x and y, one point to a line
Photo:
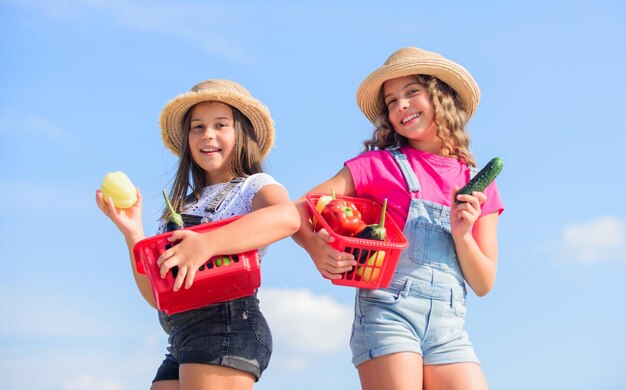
379	257
220	279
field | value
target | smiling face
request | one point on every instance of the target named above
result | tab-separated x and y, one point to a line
212	140
411	114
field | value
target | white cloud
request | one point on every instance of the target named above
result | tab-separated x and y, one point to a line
306	323
597	240
306	327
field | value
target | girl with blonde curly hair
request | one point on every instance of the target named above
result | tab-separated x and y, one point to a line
411	334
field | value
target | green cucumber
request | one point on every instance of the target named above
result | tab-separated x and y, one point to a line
482	178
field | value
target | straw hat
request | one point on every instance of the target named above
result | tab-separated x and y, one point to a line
224	91
409	61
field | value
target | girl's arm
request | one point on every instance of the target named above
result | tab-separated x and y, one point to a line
129	222
330	262
274	218
477	246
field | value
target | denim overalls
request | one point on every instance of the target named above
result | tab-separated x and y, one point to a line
423	309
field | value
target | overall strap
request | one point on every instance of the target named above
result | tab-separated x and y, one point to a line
473	171
407	171
216	202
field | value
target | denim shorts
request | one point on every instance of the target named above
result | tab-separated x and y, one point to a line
231	334
412	316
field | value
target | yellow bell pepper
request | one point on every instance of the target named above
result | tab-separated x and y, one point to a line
368	272
120	189
321	203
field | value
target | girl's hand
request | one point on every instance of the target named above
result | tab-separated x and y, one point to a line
464	214
128	221
183	255
330	262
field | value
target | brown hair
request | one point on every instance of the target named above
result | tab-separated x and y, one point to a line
245	160
450	116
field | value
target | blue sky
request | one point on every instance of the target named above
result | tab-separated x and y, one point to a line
83	83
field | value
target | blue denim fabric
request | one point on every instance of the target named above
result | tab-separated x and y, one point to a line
231	334
423	309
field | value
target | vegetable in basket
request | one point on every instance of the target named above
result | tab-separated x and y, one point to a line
321	203
222	260
343	217
368	272
374	231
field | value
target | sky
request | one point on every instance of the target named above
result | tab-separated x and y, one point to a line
82	83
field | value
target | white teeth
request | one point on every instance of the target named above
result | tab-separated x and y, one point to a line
209	150
405	120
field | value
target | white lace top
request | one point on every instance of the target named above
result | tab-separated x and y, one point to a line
237	202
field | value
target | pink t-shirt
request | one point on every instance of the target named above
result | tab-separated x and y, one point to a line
376	175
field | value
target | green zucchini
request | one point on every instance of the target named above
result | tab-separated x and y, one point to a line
482	178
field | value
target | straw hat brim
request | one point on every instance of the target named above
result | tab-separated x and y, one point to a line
172	115
422	62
